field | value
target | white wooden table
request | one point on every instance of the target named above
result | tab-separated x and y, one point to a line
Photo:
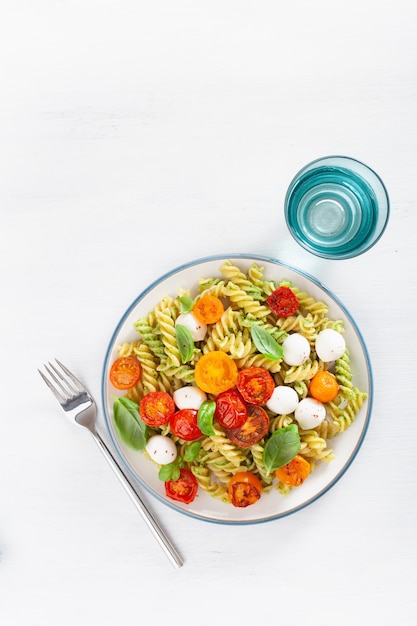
137	136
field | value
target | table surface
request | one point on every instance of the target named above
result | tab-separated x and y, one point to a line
138	136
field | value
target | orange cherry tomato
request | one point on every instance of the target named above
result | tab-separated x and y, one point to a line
184	424
253	430
323	386
295	472
125	372
184	489
215	372
255	384
244	489
208	309
156	408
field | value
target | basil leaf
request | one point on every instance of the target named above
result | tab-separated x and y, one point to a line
186	304
205	417
185	342
171	471
132	430
265	343
281	448
191	451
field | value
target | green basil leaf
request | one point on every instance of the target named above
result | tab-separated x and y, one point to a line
171	471
265	343
205	417
132	430
129	404
185	342
191	451
281	448
186	304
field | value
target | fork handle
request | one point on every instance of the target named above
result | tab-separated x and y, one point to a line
152	523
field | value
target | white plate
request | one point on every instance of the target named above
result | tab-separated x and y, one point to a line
272	505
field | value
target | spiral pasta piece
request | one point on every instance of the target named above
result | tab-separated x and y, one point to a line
254	359
204	479
343	374
255	274
240	298
222	444
150	337
211	287
257	452
313	446
183	373
149	365
167	325
127	348
237	277
136	393
280	421
302	372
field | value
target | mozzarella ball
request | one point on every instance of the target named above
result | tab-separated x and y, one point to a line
296	349
309	413
189	397
197	329
283	400
330	345
161	449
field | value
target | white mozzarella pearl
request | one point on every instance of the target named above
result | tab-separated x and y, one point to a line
296	349
309	413
161	449
330	345
197	329
283	401
189	397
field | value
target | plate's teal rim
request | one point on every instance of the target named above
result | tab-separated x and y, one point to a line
259	258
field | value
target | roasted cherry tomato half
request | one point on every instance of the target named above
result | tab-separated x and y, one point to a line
244	489
231	410
125	372
184	424
156	408
255	384
215	372
283	302
208	309
295	472
253	430
184	489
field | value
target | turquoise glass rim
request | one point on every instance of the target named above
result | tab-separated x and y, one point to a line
359	181
260	259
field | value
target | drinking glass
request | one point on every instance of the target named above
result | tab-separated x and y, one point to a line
336	207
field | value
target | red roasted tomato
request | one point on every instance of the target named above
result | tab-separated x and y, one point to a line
156	408
283	302
253	430
231	410
255	384
184	489
184	424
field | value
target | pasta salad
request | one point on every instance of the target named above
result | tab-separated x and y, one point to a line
235	386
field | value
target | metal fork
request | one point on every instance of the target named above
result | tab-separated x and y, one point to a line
81	409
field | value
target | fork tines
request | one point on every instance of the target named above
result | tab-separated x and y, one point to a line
65	387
